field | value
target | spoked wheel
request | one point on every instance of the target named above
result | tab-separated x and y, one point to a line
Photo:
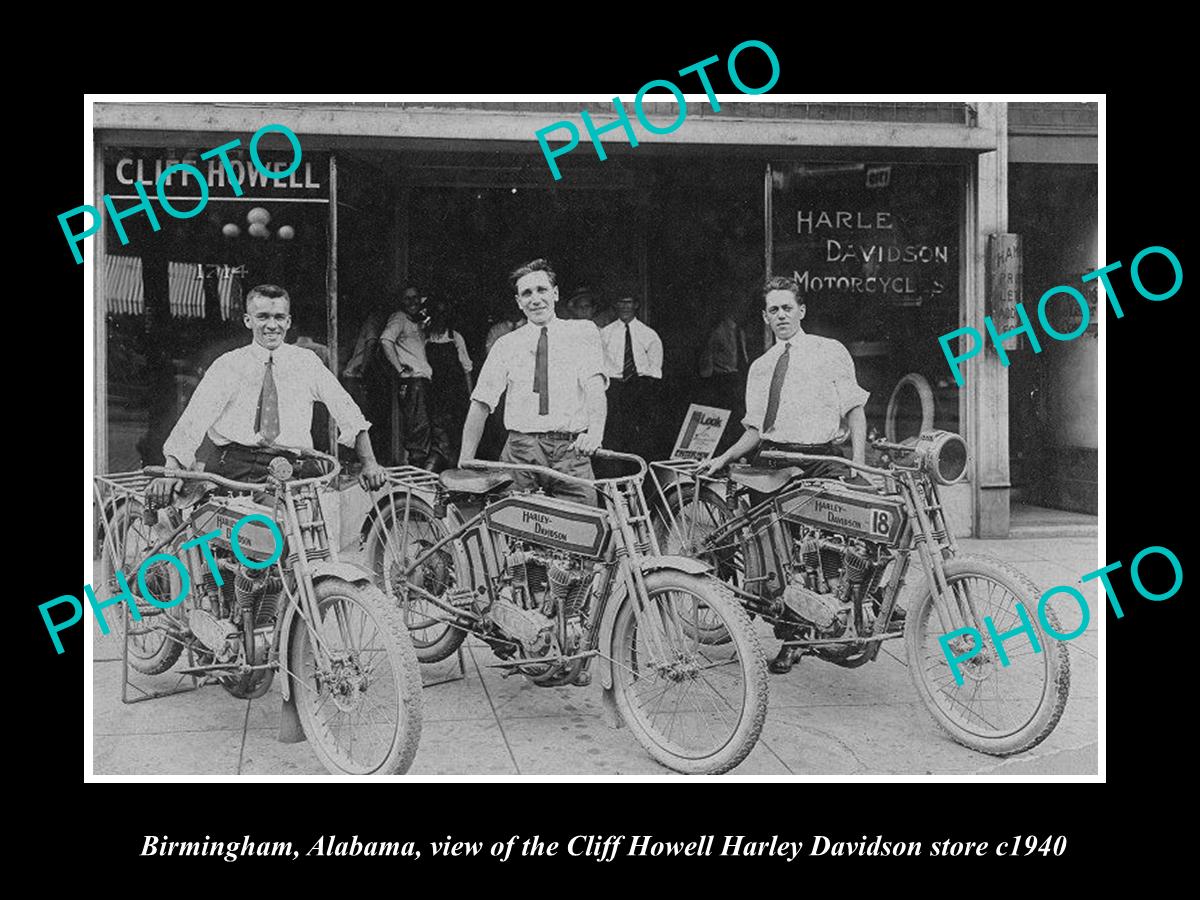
361	713
697	708
686	531
151	649
396	540
997	709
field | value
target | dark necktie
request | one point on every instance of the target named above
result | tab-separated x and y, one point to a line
266	419
541	373
781	367
630	369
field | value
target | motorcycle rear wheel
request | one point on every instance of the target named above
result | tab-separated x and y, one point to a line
692	517
997	709
433	638
372	697
722	689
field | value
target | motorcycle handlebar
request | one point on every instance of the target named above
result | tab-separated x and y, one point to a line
554	473
801	458
222	481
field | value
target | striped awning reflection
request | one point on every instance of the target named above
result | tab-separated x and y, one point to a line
185	281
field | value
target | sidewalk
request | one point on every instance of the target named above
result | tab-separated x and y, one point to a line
823	720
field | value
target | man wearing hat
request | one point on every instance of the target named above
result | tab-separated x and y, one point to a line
403	345
551	374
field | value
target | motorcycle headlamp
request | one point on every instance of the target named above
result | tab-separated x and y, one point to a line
943	455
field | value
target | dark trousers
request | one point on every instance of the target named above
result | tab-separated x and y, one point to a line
242	463
414	414
633	416
554	451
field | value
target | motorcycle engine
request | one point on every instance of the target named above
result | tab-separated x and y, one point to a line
542	589
830	577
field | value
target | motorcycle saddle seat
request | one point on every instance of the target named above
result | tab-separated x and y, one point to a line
761	479
471	481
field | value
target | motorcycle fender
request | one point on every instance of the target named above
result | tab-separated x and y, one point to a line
649	564
385	499
320	570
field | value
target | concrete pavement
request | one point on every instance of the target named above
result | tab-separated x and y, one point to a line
822	720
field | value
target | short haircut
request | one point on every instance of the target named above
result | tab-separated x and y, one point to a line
536	265
268	292
783	283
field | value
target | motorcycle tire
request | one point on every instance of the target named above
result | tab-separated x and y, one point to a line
680	533
433	638
730	680
361	610
151	650
1043	679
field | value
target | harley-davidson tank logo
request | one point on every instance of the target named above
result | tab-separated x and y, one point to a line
564	529
876	519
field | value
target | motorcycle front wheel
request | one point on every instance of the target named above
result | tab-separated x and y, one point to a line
361	714
697	708
396	540
998	709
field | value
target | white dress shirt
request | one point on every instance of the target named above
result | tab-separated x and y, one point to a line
225	404
409	340
574	357
647	348
820	388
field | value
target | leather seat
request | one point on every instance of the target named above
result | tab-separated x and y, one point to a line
763	480
472	481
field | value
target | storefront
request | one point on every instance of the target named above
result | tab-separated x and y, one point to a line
881	210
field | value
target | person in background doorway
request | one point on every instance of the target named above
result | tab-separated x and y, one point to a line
581	305
366	374
721	369
450	387
510	320
633	357
403	343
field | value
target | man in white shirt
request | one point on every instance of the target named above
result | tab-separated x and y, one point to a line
796	395
256	401
551	373
799	390
633	356
403	344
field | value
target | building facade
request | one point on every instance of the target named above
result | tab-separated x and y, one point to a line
883	211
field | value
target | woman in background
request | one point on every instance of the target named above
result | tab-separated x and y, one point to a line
450	391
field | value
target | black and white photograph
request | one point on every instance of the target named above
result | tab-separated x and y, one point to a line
699	434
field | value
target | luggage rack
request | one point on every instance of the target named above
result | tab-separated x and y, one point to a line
116	494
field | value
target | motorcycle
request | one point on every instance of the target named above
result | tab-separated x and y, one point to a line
823	561
556	588
351	683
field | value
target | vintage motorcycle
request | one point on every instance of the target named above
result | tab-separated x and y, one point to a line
823	561
352	684
554	586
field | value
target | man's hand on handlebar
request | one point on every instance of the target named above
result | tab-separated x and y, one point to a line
586	443
161	491
372	477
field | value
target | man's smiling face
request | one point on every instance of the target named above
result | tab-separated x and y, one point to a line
536	296
269	318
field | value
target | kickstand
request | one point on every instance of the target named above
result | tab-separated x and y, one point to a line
460	676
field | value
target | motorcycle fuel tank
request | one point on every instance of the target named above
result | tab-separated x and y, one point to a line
559	524
254	538
834	506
